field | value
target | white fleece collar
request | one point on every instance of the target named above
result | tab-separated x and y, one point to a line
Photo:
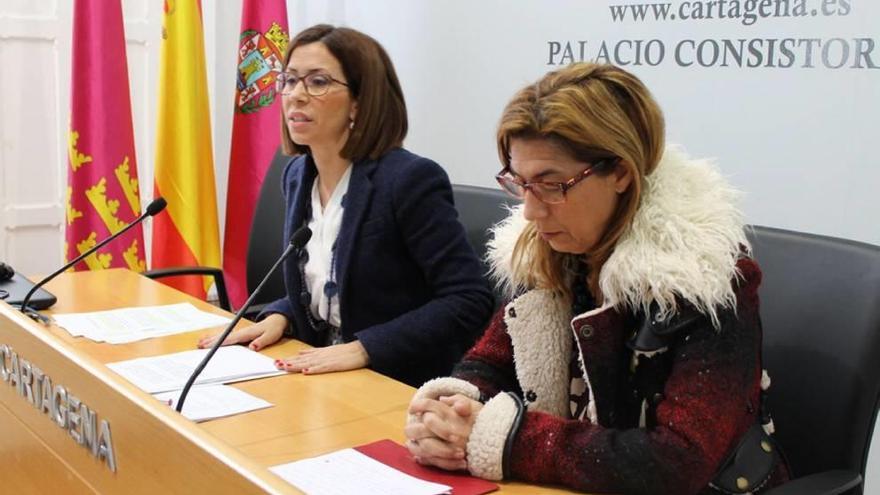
683	243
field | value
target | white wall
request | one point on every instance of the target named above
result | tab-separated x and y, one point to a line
800	141
31	183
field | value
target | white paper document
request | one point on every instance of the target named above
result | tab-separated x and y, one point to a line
213	401
120	326
348	472
171	371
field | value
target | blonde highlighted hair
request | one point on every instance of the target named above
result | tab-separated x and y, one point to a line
594	111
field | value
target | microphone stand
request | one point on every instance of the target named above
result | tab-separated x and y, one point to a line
153	208
297	241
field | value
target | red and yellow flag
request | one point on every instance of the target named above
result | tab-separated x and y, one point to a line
188	234
102	180
255	130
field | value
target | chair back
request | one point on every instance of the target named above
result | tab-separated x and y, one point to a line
479	208
820	307
266	241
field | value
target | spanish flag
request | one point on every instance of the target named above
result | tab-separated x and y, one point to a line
184	173
102	180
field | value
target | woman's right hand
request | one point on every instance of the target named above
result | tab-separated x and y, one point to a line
260	335
440	435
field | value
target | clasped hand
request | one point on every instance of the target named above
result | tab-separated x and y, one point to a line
340	357
441	431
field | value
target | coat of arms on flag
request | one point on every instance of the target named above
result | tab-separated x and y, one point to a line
260	58
255	129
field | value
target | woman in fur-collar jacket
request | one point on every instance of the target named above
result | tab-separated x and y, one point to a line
628	358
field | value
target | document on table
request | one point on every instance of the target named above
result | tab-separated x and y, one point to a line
213	401
120	326
349	472
170	372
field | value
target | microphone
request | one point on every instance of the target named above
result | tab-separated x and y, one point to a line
153	208
297	241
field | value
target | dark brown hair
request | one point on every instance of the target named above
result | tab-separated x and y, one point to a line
381	122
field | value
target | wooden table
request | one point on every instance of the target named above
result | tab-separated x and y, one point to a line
156	448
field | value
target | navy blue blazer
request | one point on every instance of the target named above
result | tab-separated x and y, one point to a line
411	289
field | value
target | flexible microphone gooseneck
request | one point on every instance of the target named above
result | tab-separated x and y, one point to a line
297	241
153	208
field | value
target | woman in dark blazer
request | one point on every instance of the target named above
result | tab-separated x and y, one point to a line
388	279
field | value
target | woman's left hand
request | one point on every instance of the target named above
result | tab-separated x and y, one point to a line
441	435
339	357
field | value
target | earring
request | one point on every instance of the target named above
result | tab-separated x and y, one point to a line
351	124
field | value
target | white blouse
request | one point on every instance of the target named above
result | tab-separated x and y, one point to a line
319	269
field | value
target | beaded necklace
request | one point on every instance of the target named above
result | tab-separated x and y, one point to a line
330	333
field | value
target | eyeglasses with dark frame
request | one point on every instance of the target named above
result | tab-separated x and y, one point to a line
550	193
316	83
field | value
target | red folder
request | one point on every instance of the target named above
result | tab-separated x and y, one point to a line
395	455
